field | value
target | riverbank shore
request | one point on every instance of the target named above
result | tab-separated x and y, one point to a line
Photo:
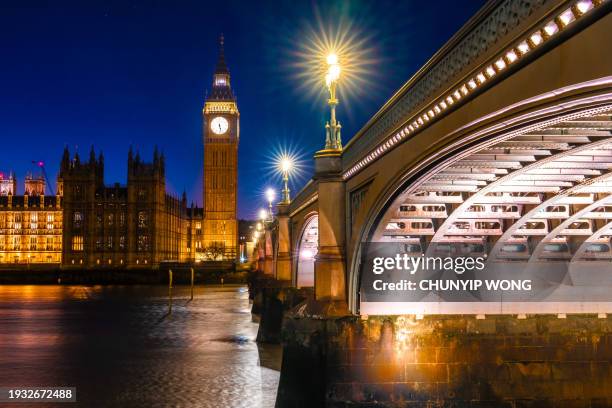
121	276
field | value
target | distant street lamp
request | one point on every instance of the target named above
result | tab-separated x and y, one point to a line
333	140
285	165
263	215
270	196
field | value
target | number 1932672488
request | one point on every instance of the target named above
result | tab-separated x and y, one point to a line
43	394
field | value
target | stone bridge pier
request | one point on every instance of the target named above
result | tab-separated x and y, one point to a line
499	147
330	261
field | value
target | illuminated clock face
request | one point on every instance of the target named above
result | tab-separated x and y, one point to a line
219	125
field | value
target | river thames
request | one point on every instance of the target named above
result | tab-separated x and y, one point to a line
119	346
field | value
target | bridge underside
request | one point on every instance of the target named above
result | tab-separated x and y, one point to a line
539	196
306	252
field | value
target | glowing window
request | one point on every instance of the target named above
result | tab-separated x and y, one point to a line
77	243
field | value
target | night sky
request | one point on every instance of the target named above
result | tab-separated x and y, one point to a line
119	73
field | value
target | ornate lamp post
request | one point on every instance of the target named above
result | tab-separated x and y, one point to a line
270	196
330	261
333	140
285	166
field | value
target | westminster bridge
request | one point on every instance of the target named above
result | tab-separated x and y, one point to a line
500	145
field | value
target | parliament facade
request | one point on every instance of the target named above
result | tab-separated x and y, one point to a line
89	224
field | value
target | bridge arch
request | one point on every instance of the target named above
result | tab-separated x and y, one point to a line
485	180
305	252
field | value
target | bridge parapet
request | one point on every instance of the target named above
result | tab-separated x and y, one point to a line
304	197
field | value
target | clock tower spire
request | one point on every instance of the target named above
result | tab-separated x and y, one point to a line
221	87
221	133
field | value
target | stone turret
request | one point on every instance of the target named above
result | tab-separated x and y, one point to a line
8	184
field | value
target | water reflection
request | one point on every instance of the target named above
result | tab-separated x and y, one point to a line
119	346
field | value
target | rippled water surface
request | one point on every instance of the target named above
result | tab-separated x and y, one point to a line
120	347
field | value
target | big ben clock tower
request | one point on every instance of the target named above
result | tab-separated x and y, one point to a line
221	131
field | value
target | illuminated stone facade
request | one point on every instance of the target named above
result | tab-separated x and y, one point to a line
92	225
135	226
34	185
30	229
8	184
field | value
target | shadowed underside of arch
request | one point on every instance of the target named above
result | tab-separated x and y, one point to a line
533	198
307	249
516	190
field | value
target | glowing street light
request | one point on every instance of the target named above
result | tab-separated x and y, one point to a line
263	215
285	165
270	196
333	140
306	254
327	50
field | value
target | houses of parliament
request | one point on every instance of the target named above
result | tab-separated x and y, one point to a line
87	223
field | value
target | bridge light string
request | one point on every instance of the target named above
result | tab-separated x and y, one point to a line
497	65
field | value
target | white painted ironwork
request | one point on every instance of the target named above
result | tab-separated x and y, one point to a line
541	192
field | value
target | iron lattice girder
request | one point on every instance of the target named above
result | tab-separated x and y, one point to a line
539	214
564	230
601	238
488	192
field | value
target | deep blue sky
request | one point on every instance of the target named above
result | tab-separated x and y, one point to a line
115	73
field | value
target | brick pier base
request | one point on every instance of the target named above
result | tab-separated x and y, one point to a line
446	361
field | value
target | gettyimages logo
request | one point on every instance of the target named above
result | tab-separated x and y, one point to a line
412	264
